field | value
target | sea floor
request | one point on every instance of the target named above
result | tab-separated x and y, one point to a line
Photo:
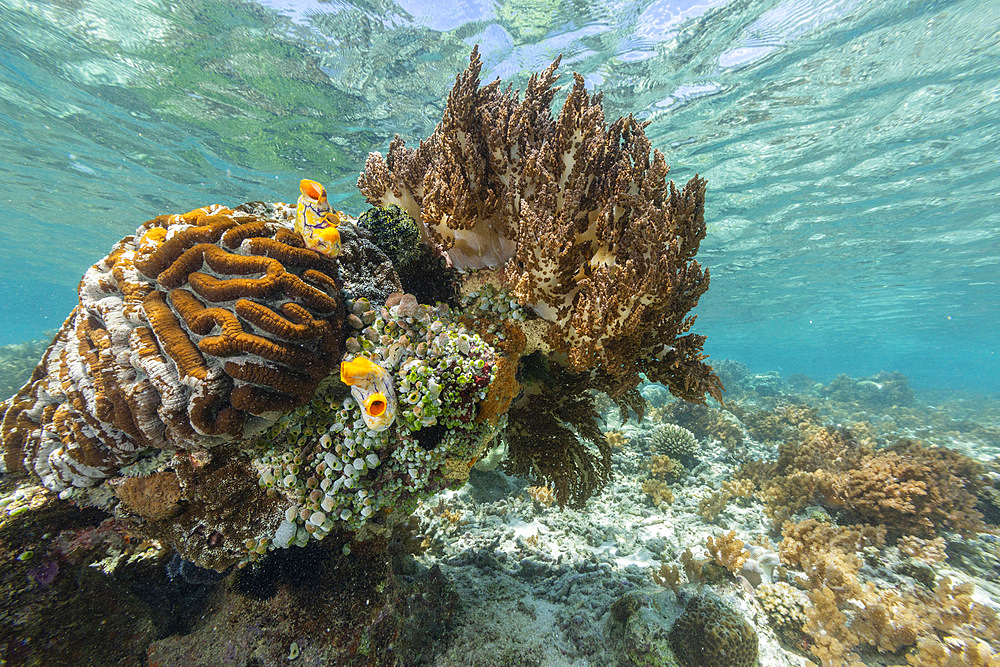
824	521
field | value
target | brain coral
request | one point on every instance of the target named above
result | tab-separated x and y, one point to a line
711	634
199	329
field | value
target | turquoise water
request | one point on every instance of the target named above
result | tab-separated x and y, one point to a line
850	147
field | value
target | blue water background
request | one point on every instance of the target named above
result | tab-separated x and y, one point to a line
851	147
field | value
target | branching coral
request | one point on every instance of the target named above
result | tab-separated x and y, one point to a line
674	441
909	488
847	613
574	217
664	468
658	492
727	550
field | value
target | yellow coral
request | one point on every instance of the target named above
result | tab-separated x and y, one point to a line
658	492
728	551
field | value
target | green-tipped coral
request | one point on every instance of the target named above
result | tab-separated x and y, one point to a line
337	471
393	231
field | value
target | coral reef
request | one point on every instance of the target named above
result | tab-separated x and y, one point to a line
535	269
703	421
908	488
879	391
846	613
785	607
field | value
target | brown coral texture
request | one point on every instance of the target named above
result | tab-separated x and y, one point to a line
199	329
573	216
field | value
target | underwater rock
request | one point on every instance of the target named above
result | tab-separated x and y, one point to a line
283	606
881	390
638	627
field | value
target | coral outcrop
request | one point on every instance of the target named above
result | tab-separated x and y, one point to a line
194	391
199	329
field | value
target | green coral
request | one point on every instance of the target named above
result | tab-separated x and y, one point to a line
394	232
336	472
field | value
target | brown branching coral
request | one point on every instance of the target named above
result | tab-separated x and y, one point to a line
658	492
912	489
664	468
574	217
728	551
909	488
846	613
200	329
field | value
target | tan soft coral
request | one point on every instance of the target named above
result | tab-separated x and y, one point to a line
909	488
574	217
846	612
912	489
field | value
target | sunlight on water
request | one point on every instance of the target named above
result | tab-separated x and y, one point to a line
850	147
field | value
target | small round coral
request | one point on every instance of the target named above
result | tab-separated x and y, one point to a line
675	441
712	634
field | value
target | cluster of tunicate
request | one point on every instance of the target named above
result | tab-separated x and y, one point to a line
338	473
488	298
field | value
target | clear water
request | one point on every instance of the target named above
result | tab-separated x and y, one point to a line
850	147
